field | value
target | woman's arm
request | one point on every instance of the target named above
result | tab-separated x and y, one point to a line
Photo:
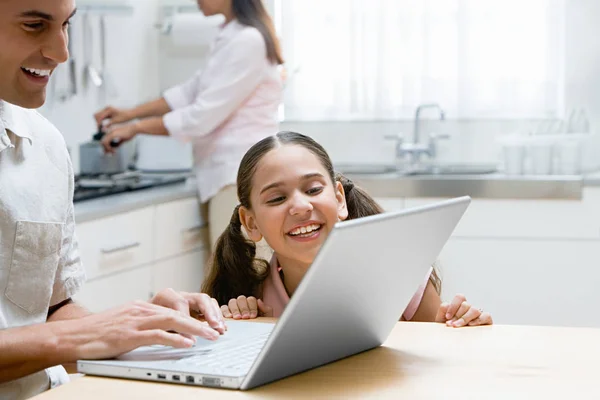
115	116
154	108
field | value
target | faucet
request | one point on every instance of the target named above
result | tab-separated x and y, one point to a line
416	137
415	149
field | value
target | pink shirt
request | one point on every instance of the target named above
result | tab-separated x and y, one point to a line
275	295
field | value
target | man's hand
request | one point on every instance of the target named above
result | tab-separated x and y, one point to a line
196	303
117	331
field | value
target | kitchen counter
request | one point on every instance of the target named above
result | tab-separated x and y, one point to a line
491	186
592	179
105	206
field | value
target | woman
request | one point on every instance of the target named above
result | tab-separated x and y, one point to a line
223	109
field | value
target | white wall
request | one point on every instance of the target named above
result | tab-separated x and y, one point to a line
132	60
140	70
474	141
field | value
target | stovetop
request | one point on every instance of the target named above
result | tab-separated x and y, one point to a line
89	187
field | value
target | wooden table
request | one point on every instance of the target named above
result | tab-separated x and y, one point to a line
418	361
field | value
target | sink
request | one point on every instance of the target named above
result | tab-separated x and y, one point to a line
453	169
365	169
425	169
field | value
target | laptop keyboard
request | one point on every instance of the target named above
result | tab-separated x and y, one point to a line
236	356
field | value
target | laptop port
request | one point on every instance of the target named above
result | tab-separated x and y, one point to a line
207	381
161	376
176	378
189	379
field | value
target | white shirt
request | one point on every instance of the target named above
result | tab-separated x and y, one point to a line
227	107
39	258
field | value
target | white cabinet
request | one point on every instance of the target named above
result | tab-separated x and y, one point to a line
526	261
114	290
182	273
534	219
529	282
178	227
133	255
118	242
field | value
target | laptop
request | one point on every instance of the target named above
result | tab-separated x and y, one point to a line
349	301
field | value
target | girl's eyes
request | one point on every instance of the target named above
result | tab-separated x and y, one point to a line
276	200
315	190
311	192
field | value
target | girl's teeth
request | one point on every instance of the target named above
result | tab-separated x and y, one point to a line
304	230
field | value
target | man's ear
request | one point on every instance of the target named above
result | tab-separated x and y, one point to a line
340	196
249	223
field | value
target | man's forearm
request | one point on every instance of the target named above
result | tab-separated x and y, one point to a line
70	310
33	348
154	108
29	349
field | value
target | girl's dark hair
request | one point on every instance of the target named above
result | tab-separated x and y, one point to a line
253	13
234	269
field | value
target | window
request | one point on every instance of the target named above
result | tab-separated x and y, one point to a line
379	59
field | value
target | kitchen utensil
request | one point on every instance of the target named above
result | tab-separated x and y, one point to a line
110	88
91	73
94	161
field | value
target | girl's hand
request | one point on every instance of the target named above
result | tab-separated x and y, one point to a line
246	308
460	313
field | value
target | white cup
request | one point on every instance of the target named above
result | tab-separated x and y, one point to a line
568	155
514	158
540	157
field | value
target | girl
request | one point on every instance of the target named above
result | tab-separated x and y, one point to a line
290	196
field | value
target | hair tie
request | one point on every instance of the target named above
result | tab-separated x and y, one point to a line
349	184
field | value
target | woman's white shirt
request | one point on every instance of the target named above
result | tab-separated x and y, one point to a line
227	107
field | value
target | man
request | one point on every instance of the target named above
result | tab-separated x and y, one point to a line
40	270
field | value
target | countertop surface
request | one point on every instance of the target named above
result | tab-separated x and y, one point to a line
87	210
493	186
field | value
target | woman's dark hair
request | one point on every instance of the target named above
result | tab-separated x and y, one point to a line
253	13
234	269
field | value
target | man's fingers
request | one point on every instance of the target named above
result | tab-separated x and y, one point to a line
180	324
208	307
169	298
158	336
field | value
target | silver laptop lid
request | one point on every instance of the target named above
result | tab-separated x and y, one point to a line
356	289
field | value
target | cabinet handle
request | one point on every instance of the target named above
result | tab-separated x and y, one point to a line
120	248
192	229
